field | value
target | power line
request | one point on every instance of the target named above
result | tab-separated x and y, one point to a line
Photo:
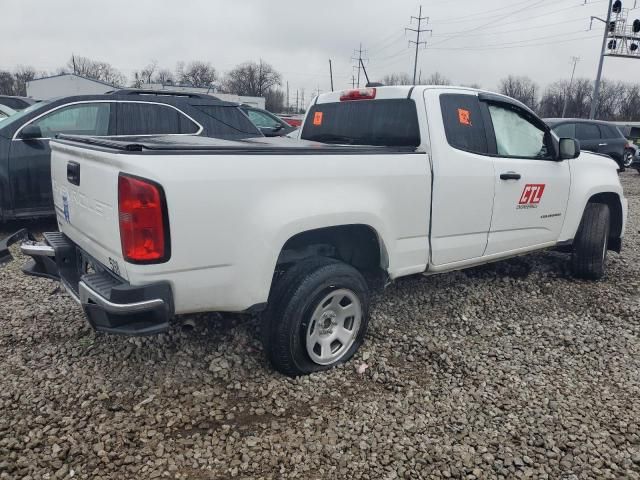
417	42
508	46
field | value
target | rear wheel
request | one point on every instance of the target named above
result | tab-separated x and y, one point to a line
317	316
591	242
627	159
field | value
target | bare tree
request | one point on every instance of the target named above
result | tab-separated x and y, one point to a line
397	79
252	79
521	88
165	77
7	83
436	78
196	74
96	70
578	99
21	76
274	100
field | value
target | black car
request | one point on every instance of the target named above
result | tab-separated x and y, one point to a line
25	176
594	136
17	103
268	123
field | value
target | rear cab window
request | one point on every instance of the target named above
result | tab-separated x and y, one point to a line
384	122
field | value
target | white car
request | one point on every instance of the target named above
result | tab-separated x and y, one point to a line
385	182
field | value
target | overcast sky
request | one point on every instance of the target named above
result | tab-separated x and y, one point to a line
473	41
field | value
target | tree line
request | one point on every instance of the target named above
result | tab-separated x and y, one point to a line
618	101
255	79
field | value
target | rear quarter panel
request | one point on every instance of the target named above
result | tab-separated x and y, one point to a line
230	215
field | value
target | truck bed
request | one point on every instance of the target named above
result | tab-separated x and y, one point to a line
194	144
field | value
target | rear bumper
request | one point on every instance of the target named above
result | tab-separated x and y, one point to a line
111	304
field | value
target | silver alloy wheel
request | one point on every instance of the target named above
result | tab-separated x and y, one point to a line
333	327
627	158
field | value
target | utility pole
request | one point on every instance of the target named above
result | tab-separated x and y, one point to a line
288	111
297	108
331	74
359	59
417	42
302	104
353	81
596	88
575	61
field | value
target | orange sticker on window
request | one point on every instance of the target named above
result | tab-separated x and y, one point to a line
317	118
464	116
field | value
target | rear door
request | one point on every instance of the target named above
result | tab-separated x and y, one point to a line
612	142
531	188
30	159
589	136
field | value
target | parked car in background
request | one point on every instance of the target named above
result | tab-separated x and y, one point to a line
17	103
25	172
292	119
594	136
268	123
6	112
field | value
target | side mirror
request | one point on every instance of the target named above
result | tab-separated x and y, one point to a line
569	148
31	132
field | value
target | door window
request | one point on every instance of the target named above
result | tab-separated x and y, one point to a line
152	119
587	131
261	119
565	130
516	136
80	119
463	123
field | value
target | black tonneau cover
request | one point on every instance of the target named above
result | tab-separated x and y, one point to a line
172	144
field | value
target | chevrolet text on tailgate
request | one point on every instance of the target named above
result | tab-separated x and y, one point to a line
385	182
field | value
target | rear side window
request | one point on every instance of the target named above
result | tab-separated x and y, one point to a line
391	123
226	121
15	103
565	130
587	131
152	119
463	123
610	131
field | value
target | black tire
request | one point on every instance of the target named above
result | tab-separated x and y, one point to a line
590	245
627	158
292	303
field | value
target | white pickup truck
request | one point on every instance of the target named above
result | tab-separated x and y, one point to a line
387	181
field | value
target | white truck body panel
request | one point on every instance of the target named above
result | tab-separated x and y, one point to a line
434	210
230	233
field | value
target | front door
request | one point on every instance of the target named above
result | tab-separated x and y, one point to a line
531	188
30	159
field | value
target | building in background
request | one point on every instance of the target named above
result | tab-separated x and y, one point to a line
68	84
65	85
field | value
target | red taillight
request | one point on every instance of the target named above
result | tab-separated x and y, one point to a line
143	233
358	94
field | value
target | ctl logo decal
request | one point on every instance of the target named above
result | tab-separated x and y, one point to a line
531	195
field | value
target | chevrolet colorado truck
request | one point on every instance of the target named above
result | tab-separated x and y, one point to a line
384	182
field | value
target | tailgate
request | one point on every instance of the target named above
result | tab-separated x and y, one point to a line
85	195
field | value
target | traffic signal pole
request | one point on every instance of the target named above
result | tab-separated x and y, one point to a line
596	88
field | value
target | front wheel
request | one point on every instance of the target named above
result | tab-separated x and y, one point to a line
317	317
591	242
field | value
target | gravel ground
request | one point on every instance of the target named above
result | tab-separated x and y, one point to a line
513	370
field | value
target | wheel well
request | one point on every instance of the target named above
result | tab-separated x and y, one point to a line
612	200
357	245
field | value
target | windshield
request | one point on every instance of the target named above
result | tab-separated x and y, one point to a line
23	113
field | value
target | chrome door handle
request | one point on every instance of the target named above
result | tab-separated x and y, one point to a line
602	144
